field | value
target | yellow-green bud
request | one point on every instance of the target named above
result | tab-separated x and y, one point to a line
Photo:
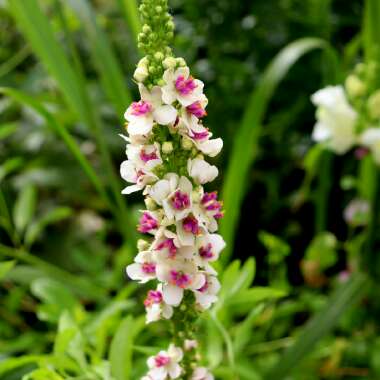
169	63
152	69
181	62
374	105
143	62
167	147
150	204
140	74
159	9
355	87
142	245
146	28
159	56
196	195
186	143
161	82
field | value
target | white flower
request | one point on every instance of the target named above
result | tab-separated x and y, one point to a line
336	119
370	138
206	295
189	126
146	157
201	171
201	373
165	364
208	248
155	306
167	246
188	228
142	115
181	86
178	276
209	210
174	194
140	177
144	267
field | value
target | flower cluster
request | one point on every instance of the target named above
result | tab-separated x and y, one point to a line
167	144
349	116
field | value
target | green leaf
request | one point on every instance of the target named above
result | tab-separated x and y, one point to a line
5	267
10	165
13	363
131	15
109	69
7	129
347	295
277	248
246	140
371	36
24	208
121	349
322	249
55	297
43	374
50	217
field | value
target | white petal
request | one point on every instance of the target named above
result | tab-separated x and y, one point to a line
211	147
160	191
131	189
172	295
202	171
175	371
165	115
140	125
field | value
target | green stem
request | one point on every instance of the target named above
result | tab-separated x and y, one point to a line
77	284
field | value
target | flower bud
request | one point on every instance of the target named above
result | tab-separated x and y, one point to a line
374	105
167	147
161	83
150	204
159	56
152	69
354	86
140	74
143	62
159	9
146	29
186	143
142	245
169	63
181	62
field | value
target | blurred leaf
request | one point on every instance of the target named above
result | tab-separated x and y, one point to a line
10	165
322	249
55	297
10	364
277	248
130	11
246	140
121	349
5	267
7	129
24	208
347	295
43	374
109	69
50	217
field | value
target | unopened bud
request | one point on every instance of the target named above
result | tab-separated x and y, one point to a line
159	56
355	86
181	62
374	105
142	245
146	28
169	63
150	204
186	143
167	147
140	74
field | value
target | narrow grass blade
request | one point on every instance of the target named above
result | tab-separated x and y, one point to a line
245	145
103	56
64	135
346	296
131	15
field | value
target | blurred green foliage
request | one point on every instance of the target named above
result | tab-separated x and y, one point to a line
67	310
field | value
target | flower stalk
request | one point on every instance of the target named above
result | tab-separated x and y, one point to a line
167	146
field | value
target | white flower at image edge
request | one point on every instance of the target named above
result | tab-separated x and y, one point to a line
142	115
336	119
165	364
370	138
201	373
201	171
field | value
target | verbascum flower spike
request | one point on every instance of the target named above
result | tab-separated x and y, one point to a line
167	147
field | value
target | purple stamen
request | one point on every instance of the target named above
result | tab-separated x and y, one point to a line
169	244
185	86
147	223
161	360
190	224
206	252
154	296
147	156
196	109
140	108
179	279
148	268
180	200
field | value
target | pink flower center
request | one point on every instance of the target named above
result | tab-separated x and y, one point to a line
196	109
180	200
211	203
148	268
185	86
200	135
169	244
206	252
204	287
161	360
147	156
154	296
190	224
147	223
140	108
179	279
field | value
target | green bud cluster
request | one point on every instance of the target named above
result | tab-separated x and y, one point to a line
155	37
